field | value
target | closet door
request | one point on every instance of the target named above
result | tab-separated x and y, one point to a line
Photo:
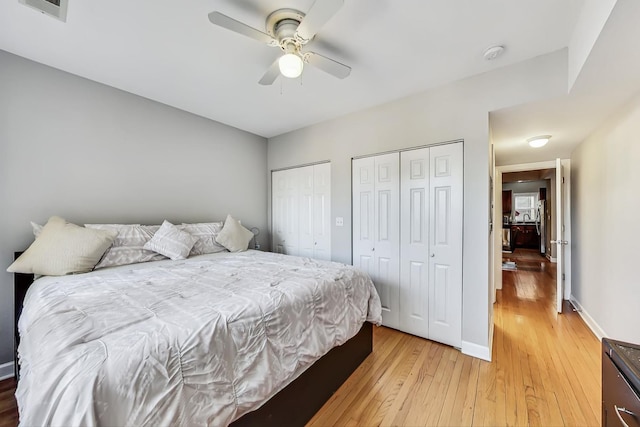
445	251
414	242
322	211
305	211
301	211
285	207
376	227
363	212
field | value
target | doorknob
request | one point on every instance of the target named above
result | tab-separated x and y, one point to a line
433	255
559	242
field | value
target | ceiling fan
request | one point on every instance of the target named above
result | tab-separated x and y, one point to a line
290	30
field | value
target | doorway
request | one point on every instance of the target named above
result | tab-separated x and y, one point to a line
522	243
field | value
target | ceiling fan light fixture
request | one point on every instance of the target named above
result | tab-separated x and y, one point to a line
290	65
539	141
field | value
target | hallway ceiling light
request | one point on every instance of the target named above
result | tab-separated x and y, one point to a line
539	141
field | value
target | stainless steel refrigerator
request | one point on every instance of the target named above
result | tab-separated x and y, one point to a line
541	227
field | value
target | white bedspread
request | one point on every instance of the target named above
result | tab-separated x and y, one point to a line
195	342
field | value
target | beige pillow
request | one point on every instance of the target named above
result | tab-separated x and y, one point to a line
171	242
234	236
63	248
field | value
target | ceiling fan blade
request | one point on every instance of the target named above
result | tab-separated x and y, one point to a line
271	75
224	21
321	11
327	65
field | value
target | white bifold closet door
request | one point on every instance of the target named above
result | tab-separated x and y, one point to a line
376	240
301	211
418	234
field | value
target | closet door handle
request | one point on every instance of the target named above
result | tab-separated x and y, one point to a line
433	255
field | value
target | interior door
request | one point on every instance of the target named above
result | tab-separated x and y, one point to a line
305	211
386	256
363	211
560	242
322	211
445	249
414	242
285	211
376	228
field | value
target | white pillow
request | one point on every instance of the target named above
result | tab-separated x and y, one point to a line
171	242
128	248
63	248
234	236
206	233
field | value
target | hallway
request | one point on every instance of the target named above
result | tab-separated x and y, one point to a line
555	359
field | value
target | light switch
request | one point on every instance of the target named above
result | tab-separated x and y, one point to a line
339	221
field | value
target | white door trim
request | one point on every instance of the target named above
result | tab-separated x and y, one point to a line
551	164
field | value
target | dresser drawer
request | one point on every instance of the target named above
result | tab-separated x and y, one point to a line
620	404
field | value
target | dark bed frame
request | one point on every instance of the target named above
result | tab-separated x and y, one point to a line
292	406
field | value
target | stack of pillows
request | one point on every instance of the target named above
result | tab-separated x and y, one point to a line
63	248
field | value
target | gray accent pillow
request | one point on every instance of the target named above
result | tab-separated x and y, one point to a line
171	242
206	233
128	247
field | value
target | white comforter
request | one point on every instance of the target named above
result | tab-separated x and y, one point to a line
195	342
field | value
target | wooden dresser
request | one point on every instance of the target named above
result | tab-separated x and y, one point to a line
620	384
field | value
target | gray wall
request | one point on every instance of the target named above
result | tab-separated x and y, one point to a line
456	111
605	225
91	153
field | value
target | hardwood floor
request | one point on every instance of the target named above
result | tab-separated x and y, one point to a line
8	409
545	369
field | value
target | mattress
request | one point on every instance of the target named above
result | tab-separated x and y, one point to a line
200	341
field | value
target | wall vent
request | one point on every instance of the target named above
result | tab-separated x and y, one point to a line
55	8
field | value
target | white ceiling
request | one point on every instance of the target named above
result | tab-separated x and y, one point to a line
168	51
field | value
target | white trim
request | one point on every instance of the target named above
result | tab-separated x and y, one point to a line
475	350
552	259
592	324
6	370
527	166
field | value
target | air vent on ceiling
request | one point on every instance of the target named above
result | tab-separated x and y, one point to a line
55	8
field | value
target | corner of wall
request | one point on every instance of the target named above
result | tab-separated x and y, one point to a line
591	323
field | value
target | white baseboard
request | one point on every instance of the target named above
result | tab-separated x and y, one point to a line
6	370
475	350
592	324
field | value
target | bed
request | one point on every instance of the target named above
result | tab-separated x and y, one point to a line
245	338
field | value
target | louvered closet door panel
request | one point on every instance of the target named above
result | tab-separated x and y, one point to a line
322	211
363	211
445	261
305	211
414	242
387	235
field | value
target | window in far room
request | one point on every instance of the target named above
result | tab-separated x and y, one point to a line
525	206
